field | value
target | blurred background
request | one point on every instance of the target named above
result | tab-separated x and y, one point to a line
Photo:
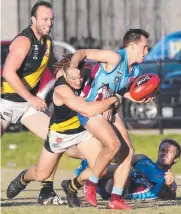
96	23
102	24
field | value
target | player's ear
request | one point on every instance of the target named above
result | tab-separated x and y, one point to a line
132	45
33	20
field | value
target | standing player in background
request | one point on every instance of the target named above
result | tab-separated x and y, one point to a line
29	53
113	73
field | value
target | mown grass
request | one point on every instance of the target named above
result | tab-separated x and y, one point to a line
61	210
27	151
28	148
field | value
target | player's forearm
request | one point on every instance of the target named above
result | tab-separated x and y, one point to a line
98	107
77	57
15	82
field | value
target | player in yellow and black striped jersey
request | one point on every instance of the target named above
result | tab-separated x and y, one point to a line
64	120
32	67
29	53
65	130
64	124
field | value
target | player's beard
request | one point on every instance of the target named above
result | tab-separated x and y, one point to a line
42	31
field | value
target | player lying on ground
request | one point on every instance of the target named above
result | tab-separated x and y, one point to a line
148	180
114	72
64	130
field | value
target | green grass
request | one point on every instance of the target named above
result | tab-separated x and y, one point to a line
28	148
64	210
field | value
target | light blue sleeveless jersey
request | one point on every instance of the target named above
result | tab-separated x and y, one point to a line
147	174
102	84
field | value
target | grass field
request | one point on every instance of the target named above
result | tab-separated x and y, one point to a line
26	201
28	148
19	150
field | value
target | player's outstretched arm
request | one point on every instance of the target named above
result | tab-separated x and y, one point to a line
106	56
78	104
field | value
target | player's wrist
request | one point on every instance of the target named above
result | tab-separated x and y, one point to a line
118	99
29	98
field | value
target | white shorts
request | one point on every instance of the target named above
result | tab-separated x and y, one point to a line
58	143
14	112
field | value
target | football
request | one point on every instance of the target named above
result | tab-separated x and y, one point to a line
144	86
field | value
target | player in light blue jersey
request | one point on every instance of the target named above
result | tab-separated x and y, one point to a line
148	179
113	73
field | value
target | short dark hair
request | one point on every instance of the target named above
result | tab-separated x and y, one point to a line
134	35
174	143
37	5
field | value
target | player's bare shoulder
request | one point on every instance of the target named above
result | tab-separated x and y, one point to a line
20	43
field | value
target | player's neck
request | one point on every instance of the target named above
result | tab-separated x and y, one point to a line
131	59
38	36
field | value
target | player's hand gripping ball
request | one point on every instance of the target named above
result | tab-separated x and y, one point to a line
144	86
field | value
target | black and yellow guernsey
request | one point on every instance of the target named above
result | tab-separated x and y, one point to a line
32	67
64	120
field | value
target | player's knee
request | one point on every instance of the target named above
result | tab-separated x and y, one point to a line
114	147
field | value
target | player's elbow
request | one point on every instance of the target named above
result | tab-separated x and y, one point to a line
4	74
7	75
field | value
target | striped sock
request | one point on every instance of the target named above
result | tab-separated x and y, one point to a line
74	185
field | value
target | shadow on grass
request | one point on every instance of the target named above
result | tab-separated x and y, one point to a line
17	204
31	190
136	204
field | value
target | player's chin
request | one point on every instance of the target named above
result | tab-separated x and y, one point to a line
46	32
165	162
77	87
140	60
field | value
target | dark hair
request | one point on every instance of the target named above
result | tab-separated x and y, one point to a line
37	5
134	35
63	63
174	143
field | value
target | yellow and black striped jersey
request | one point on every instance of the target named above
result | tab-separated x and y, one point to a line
32	67
65	120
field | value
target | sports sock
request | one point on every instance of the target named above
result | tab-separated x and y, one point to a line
74	185
45	184
116	192
93	179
